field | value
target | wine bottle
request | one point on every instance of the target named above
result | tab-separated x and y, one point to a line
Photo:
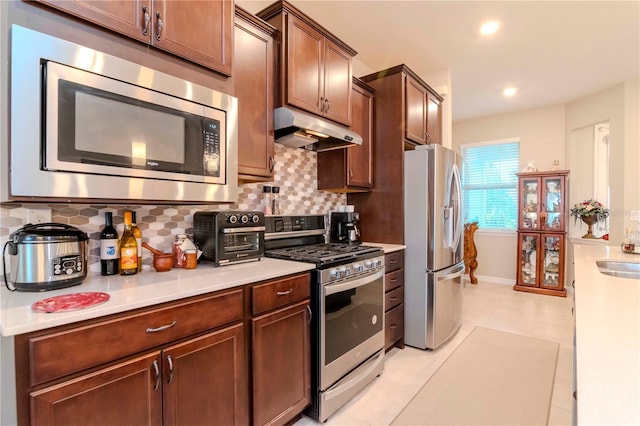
128	248
137	233
108	247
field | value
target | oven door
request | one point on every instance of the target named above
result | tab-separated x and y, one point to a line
240	244
351	325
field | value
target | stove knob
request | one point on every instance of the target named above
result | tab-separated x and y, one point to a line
378	263
358	267
346	271
232	219
255	218
369	264
244	218
334	273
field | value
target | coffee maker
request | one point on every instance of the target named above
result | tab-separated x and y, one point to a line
343	227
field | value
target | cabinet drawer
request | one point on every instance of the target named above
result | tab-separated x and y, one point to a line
394	325
393	261
275	294
393	298
393	280
71	350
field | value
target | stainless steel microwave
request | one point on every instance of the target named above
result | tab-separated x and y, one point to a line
88	125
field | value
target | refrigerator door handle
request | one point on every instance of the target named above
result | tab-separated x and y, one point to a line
451	273
457	208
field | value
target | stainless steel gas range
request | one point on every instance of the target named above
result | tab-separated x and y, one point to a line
347	304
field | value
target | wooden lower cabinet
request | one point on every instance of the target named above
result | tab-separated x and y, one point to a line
281	365
394	300
281	357
126	390
191	383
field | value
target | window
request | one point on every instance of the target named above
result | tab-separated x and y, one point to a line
490	184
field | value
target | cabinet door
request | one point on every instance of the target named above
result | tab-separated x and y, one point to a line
281	365
125	17
305	68
528	252
253	76
127	393
552	261
360	158
434	119
416	111
529	211
204	380
553	203
200	31
337	84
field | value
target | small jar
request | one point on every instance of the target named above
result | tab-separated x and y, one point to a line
190	259
178	253
266	199
275	200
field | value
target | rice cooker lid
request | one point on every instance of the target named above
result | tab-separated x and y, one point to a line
48	233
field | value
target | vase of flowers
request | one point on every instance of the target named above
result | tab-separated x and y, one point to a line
590	212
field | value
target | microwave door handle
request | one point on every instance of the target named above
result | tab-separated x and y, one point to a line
348	285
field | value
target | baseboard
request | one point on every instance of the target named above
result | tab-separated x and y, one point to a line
495	280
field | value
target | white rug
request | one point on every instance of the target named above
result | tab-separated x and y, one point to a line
492	378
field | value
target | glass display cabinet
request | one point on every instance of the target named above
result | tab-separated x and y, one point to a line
541	232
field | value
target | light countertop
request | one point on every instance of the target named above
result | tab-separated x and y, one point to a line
136	291
607	340
388	248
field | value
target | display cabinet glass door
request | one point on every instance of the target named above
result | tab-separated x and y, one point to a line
528	258
529	203
552	205
552	261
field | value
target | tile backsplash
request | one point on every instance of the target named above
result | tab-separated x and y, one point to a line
294	172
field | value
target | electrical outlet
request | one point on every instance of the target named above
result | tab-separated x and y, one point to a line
39	215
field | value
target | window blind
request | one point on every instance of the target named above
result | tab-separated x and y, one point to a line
490	184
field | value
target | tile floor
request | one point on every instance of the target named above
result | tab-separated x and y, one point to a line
489	305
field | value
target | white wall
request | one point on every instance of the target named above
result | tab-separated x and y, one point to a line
542	140
543	134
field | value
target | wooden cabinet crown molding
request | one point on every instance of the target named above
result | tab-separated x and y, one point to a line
284	6
402	68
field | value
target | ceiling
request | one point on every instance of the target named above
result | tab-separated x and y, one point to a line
553	51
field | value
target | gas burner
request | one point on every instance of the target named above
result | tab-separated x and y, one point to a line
323	254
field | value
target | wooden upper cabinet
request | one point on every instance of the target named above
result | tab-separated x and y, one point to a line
351	169
423	113
315	67
200	31
253	81
416	111
434	119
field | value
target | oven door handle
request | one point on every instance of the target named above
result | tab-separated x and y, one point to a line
349	284
243	230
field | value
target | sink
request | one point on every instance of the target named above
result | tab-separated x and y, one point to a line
620	268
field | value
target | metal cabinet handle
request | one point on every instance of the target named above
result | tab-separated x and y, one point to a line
157	371
160	25
284	293
428	138
146	19
327	105
170	362
350	174
321	103
310	314
393	299
271	164
393	325
161	328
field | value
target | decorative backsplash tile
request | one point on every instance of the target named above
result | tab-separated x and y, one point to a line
294	173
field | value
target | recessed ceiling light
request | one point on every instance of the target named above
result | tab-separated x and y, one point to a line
489	28
509	91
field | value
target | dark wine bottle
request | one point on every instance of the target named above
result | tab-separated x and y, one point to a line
109	247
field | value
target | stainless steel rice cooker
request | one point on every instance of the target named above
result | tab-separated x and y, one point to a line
45	256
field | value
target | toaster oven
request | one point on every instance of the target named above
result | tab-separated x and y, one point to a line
226	237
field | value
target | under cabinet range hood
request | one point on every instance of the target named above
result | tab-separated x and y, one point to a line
299	129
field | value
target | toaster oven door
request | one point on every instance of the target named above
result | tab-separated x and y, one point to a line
240	244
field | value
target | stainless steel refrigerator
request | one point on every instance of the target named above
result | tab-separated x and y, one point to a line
433	234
